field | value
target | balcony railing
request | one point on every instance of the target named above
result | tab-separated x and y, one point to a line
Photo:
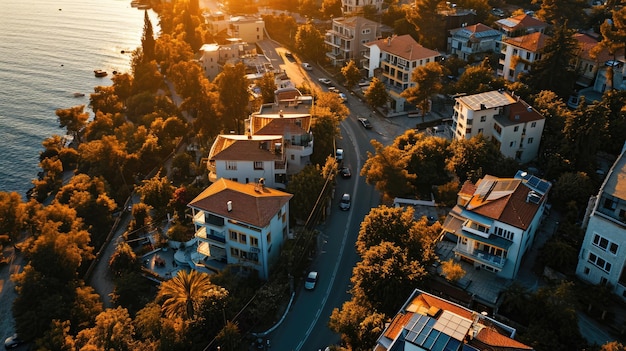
211	235
483	257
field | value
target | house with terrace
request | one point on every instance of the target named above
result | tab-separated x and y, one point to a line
429	322
346	38
495	221
521	25
602	258
513	125
473	42
241	225
393	60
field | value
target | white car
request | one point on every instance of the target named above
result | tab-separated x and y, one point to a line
325	81
343	97
307	66
339	155
310	281
344	204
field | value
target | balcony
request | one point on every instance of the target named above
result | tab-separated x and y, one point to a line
483	257
476	228
211	235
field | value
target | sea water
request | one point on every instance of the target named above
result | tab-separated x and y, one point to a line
48	52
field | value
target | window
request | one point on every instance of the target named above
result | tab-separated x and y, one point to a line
503	233
234	252
516	128
515	51
480	131
483	118
243	238
233	235
512	144
366	31
604	244
497	128
533	125
258	164
530	140
254	242
528	55
231	165
599	262
293	157
269	238
586	271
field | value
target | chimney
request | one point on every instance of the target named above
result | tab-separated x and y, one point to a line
229	206
388	41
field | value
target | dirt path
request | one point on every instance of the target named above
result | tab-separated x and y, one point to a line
7	293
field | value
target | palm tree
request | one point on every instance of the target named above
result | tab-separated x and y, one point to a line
184	293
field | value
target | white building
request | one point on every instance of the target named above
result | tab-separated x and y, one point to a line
602	257
248	158
393	60
513	125
495	221
241	224
474	40
519	53
345	40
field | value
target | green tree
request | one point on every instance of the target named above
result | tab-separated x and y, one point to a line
426	159
573	186
304	186
452	270
267	84
57	338
384	224
386	169
86	307
582	136
385	276
427	81
331	9
556	12
358	324
124	260
183	295
473	158
430	24
553	70
113	331
233	95
376	94
73	119
230	336
325	130
12	212
147	41
309	42
476	79
351	74
157	192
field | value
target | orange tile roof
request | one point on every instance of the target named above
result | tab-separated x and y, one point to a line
248	205
494	339
468	188
521	21
587	42
429	301
523	112
511	208
530	42
397	324
235	149
404	46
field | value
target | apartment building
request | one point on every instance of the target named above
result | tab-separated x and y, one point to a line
345	40
242	225
521	25
513	125
354	7
393	60
519	53
602	258
495	221
474	41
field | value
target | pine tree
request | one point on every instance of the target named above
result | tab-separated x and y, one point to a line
147	41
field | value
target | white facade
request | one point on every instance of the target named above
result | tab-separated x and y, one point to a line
513	125
519	54
497	239
229	232
602	256
247	159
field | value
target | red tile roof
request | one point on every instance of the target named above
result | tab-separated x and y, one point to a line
521	113
236	149
492	338
587	43
397	324
276	125
404	46
530	42
248	205
521	21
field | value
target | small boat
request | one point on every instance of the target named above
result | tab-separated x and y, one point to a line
100	73
79	94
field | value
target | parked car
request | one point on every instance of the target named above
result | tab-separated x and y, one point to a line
365	122
288	54
344	204
12	342
325	81
307	66
333	89
310	281
343	97
345	172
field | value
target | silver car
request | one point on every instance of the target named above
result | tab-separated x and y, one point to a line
344	204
